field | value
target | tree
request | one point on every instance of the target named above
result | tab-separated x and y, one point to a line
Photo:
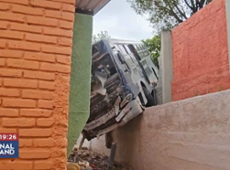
99	36
154	46
166	14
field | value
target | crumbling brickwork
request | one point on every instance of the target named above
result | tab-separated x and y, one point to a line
200	53
35	57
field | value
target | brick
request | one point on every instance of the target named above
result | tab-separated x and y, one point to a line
46	85
11	34
12	17
11	54
4	72
41	165
57	50
16	165
58	32
25	28
23	2
66	1
60	15
2	61
19	103
58	153
37	94
66	25
4	6
68	7
4	24
63	59
2	44
42	21
34	153
61	142
25	143
35	113
45	4
41	38
9	112
20	45
39	75
42	143
55	67
44	104
35	132
18	122
9	92
40	57
16	63
45	122
64	41
8	130
21	83
27	10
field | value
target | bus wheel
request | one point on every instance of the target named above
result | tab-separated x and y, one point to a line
150	98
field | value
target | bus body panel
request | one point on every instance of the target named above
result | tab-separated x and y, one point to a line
118	78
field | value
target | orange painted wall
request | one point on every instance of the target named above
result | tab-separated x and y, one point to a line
200	53
35	55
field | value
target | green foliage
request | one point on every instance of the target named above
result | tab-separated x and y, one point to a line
166	14
99	36
154	46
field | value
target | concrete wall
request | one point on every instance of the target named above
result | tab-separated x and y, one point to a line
192	134
201	53
35	55
80	77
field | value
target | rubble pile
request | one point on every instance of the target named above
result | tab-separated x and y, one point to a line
89	160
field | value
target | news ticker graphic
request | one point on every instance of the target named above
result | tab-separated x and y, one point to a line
9	145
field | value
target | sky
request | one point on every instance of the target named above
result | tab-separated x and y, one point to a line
121	22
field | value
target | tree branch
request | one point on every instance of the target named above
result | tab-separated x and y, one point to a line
182	13
202	3
173	13
186	2
194	10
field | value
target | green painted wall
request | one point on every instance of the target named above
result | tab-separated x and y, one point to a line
80	78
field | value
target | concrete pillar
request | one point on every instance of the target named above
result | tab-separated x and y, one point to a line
166	66
227	5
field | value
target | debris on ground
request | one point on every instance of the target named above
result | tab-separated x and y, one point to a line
89	160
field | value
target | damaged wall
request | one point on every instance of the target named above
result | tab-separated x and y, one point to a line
201	52
192	134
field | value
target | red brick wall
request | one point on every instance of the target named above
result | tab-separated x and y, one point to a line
35	55
200	53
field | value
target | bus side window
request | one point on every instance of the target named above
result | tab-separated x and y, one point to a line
130	53
121	58
121	48
133	48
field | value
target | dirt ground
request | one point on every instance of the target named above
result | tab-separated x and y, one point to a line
90	160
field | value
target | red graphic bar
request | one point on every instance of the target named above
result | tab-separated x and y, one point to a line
8	137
